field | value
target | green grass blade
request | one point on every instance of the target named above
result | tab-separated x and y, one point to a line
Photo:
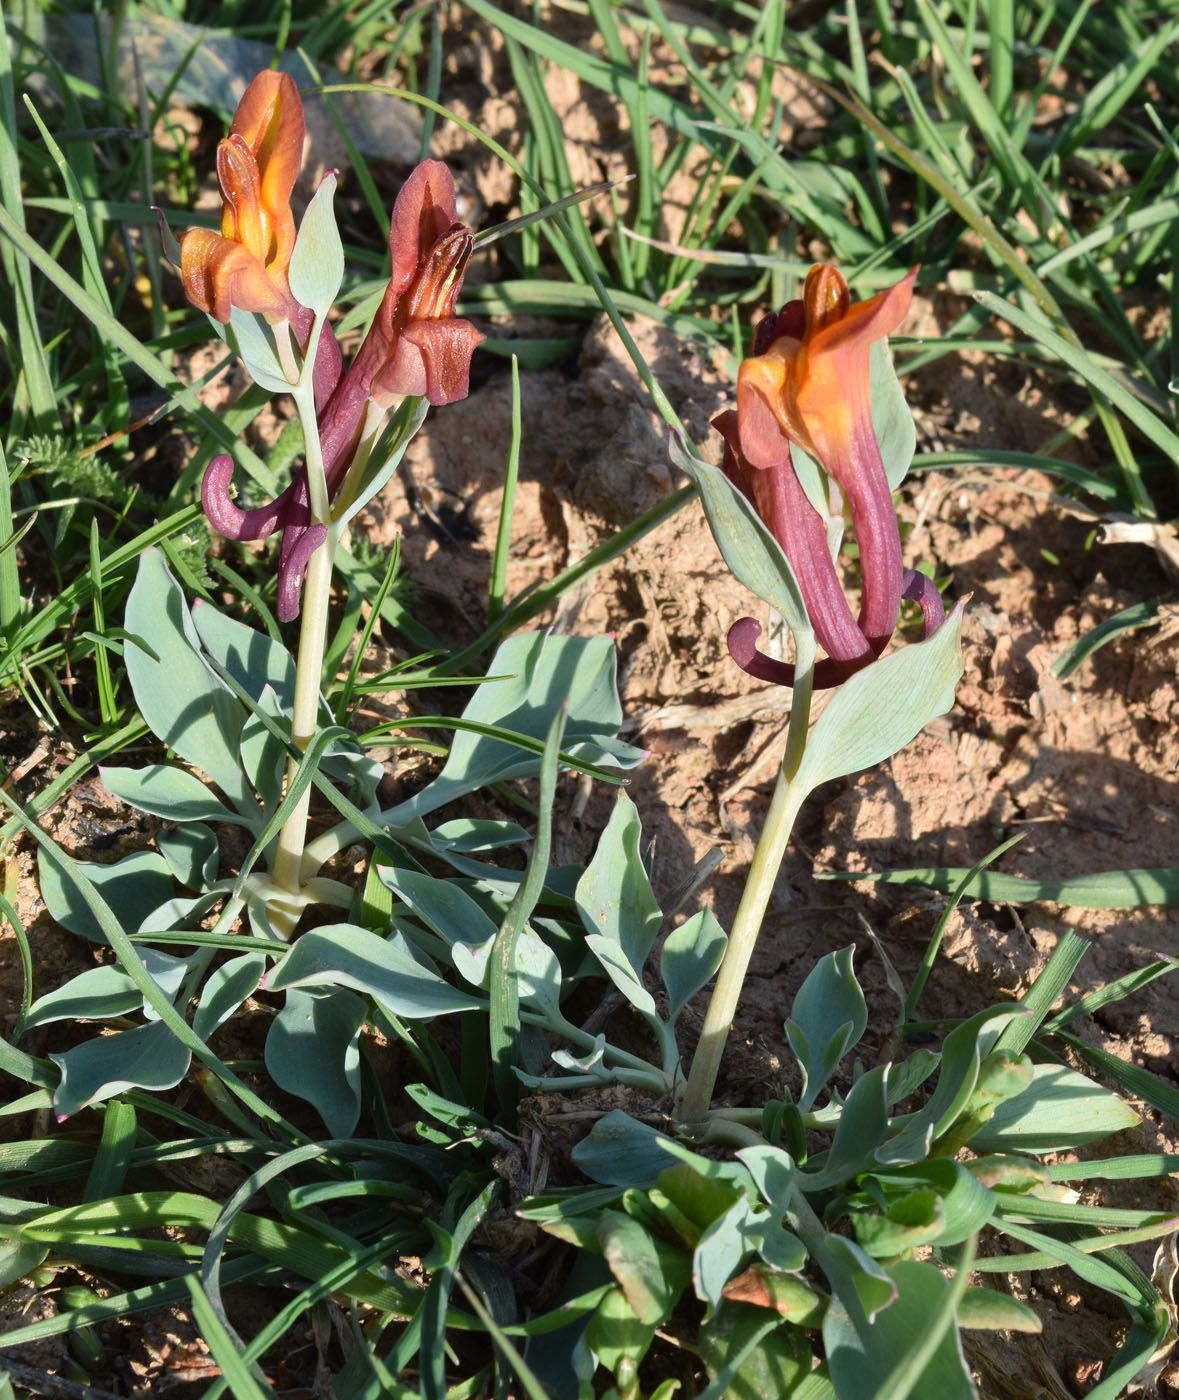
1130	619
1042	995
1107	889
504	1023
503	534
119	1129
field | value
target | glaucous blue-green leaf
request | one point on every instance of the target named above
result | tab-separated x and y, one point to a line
751	552
449	912
772	1171
988	1309
192	854
93	995
253	338
857	1281
724	1246
690	956
620	972
651	1273
614	895
470	834
180	909
962	1054
859	1359
861	1128
133	887
892	418
827	1018
148	1057
313	1051
778	1360
1059	1111
170	792
620	1151
881	708
253	658
183	702
534	674
341	955
538	974
226	987
263	754
386	454
317	259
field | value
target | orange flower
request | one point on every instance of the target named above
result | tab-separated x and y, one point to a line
245	265
808	384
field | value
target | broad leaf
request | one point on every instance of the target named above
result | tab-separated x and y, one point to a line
192	854
183	702
313	1051
753	555
1061	1110
860	1359
169	792
134	887
148	1057
690	956
827	1019
340	955
226	987
881	708
614	895
533	675
317	259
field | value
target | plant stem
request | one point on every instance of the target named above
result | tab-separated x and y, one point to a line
317	590
759	886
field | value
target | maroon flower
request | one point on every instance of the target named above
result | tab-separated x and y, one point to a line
807	383
415	346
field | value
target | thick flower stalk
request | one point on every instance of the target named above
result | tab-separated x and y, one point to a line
415	346
808	385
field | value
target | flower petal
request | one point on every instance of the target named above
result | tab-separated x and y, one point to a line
445	349
422	213
218	275
269	118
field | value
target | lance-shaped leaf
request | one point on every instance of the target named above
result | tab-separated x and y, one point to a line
881	708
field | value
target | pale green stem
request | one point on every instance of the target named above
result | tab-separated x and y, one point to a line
317	590
788	797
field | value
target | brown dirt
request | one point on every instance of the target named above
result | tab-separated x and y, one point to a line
1084	768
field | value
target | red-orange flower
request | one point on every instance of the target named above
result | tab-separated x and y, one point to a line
245	265
415	345
807	385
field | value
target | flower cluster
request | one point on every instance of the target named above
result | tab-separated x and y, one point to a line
415	345
807	386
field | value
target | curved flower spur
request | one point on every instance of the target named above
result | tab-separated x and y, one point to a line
817	423
415	346
270	292
807	388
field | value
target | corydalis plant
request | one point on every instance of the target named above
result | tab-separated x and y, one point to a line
807	387
811	389
416	346
271	293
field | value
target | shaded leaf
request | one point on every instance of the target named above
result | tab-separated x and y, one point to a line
313	1051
